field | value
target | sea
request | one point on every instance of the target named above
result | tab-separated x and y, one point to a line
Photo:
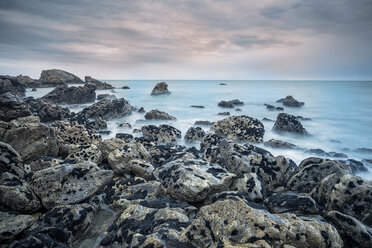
340	111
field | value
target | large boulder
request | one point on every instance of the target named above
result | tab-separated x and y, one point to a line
100	85
27	81
12	224
241	128
162	133
10	160
55	77
29	137
107	109
288	123
48	111
68	183
11	84
289	101
156	114
72	95
193	180
12	107
160	89
273	143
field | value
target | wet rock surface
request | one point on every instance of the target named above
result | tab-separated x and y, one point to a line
12	107
99	85
161	133
288	123
156	114
194	134
107	109
72	95
11	84
290	101
49	112
160	89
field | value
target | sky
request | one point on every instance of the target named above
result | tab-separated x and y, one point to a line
195	39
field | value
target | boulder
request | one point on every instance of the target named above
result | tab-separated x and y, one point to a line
141	168
10	160
161	133
96	123
11	84
29	137
288	123
194	134
127	137
72	95
12	107
12	224
203	123
101	97
108	109
55	77
156	114
109	145
242	128
230	104
68	183
289	101
48	111
294	203
273	143
250	185
85	154
99	85
160	89
224	113
192	180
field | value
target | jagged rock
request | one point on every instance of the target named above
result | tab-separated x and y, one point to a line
42	163
33	89
273	143
141	110
203	123
322	153
100	85
160	89
162	133
233	221
156	114
289	123
107	109
249	184
10	160
101	97
364	150
125	87
267	119
194	134
29	137
125	125
346	193
48	111
120	159
289	202
90	123
353	232
192	180
11	84
85	154
354	165
72	95
242	128
230	104
68	183
311	171
109	145
12	107
161	154
55	77
27	81
290	102
12	224
17	194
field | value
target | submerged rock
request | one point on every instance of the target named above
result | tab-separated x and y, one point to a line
55	77
230	104
101	97
156	114
162	133
203	123
289	123
160	89
12	107
290	102
72	95
291	202
107	109
99	85
224	113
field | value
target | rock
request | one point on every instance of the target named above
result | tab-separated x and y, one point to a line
119	160
353	232
42	163
364	150
267	119
11	84
197	106
270	107
160	89
141	110
99	85
95	123
224	113
109	145
354	165
289	202
273	143
17	194
161	133
125	125
322	153
85	154
34	89
192	180
107	109
125	87
279	108
232	221
156	114
124	136
68	183
223	84
12	107
136	130
243	128
250	185
230	104
29	137
12	224
303	118
311	171
10	160
26	81
346	193
72	95
101	97
161	154
290	102
141	168
288	123
202	123
48	111
57	77
194	134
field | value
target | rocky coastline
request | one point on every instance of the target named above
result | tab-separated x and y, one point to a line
62	185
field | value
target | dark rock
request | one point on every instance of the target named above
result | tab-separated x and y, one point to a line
90	123
322	153
125	125
273	143
107	109
57	77
267	119
48	111
290	102
364	150
162	133
12	107
12	224
124	136
85	154
288	123
230	104
160	89
101	97
11	84
34	89
10	160
279	108
125	87
224	113
99	85
104	132
156	114
194	134
141	110
238	109
72	95
197	106
223	84
203	123
250	185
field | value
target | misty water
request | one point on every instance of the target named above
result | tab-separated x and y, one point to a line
340	111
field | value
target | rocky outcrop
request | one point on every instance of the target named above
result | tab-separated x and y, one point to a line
12	224
99	85
290	124
161	133
108	109
289	101
55	77
194	134
243	128
72	95
11	84
156	114
29	137
230	104
10	160
47	111
203	123
12	107
160	89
